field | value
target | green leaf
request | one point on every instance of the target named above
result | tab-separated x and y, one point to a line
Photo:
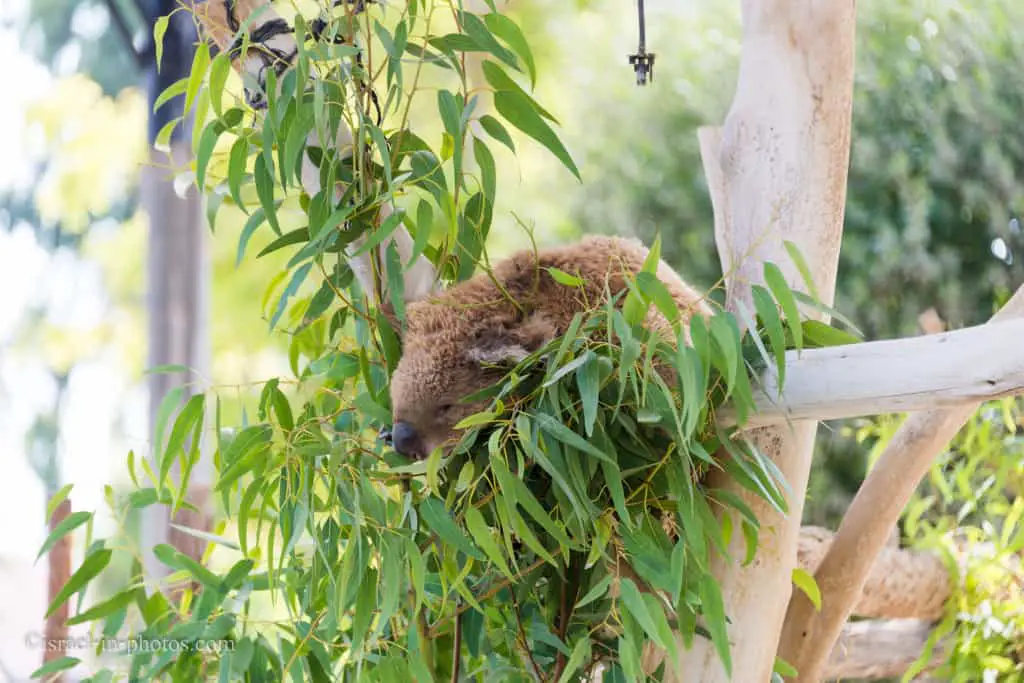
57	499
715	619
599	590
236	171
522	113
256	219
170	92
159	29
424	223
265	191
200	61
564	278
482	535
206	536
294	237
820	334
580	654
801	265
588	382
500	81
69	524
784	295
298	277
105	608
185	421
558	430
652	621
784	668
769	314
507	30
63	663
805	582
497	131
449	110
437	518
93	565
488	172
516	491
218	77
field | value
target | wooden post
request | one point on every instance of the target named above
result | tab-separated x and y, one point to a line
178	275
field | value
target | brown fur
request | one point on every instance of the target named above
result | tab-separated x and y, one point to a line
450	339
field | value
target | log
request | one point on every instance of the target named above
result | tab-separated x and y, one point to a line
880	649
903	584
963	367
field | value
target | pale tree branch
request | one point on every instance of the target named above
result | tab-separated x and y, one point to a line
893	376
778	174
808	635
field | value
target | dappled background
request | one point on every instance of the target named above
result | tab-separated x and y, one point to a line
932	218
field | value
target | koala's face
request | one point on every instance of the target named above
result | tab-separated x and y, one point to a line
427	389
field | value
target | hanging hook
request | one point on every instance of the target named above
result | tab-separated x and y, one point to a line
642	61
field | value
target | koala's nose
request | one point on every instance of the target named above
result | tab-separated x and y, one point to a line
405	439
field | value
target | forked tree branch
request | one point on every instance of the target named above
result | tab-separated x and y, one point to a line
808	635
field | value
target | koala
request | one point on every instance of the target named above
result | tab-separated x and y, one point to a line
463	340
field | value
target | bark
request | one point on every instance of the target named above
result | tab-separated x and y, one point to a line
55	631
941	370
779	173
808	635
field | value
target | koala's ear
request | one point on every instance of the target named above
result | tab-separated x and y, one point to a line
511	346
495	351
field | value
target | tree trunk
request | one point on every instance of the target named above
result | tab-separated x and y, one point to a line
178	275
777	171
55	632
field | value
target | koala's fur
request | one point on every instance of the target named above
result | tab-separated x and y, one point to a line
450	339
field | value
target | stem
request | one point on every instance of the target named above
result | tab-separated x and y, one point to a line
494	590
570	588
525	643
457	648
